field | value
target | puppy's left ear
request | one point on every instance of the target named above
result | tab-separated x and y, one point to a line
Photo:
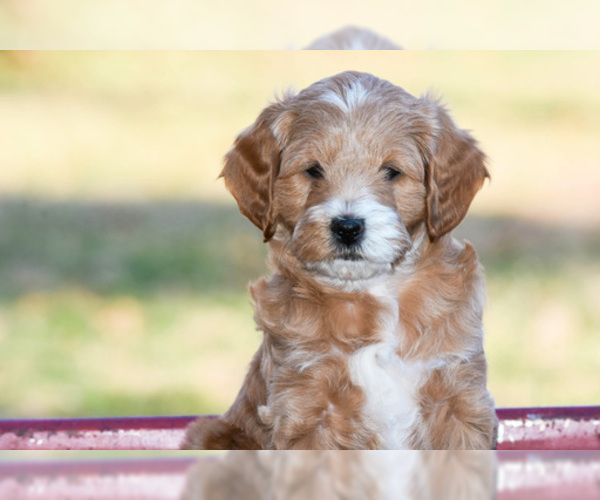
251	167
454	174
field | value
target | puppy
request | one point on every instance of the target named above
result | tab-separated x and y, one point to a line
372	316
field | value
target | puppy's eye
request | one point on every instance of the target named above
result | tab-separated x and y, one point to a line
316	171
391	171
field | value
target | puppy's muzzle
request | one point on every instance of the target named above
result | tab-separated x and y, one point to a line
347	231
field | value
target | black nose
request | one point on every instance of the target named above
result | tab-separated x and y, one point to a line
347	231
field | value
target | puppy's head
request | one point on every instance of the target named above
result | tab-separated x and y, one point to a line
346	171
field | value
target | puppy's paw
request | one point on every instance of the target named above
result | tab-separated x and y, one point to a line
216	434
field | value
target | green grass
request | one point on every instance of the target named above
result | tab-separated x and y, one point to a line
124	263
124	309
141	309
134	248
76	353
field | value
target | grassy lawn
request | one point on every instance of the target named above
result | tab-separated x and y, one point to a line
124	309
124	263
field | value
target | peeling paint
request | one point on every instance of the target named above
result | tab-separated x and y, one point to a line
532	428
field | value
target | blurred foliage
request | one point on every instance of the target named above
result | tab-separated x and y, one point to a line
124	263
127	248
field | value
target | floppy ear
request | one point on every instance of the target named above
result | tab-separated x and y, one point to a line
251	167
453	175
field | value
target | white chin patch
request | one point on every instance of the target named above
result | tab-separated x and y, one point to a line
385	239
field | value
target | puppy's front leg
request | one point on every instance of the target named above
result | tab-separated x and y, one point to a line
216	434
457	410
318	408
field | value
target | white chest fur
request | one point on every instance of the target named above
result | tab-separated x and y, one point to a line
390	384
391	388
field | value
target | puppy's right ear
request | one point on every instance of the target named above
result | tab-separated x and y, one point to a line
251	167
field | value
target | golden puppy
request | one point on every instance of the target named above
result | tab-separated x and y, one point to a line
372	314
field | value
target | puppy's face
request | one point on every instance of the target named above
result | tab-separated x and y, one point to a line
350	186
347	170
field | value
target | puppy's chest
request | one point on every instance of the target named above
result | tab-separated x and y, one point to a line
390	385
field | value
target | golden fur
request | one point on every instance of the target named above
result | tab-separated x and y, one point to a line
324	377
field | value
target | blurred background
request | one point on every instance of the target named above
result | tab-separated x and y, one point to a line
284	24
124	263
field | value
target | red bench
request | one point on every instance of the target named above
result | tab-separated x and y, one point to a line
562	428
